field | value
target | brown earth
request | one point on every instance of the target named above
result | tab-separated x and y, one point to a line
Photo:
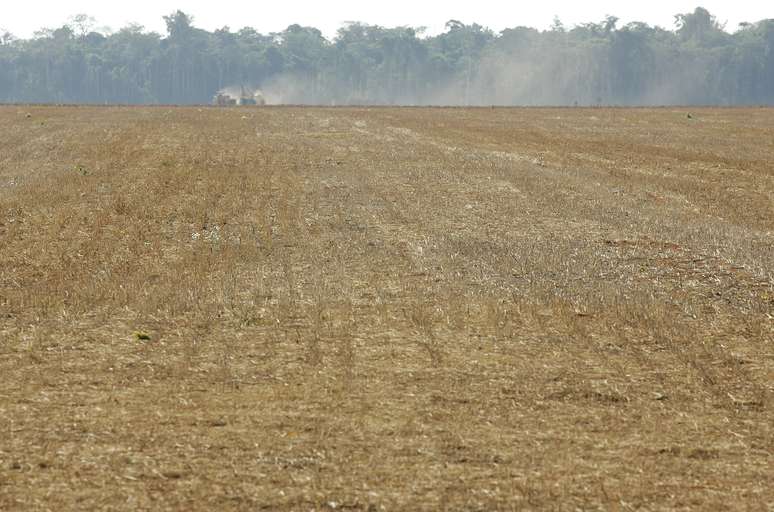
386	309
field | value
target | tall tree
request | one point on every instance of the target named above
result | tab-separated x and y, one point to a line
698	62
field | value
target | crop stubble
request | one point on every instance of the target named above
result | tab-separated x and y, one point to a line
386	308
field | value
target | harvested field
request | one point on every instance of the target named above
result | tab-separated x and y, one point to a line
386	309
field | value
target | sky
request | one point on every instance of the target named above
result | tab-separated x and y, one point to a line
23	18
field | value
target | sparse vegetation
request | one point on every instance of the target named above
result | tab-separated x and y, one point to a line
392	309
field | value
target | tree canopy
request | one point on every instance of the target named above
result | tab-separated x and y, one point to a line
602	63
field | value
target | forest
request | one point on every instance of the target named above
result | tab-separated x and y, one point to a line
697	62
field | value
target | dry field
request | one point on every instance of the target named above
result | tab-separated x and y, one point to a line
386	309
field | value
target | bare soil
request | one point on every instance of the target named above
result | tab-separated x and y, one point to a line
386	309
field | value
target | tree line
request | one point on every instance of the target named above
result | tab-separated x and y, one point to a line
605	63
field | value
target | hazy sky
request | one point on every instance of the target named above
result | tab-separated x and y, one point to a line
24	17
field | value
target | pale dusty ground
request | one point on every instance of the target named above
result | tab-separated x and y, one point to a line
398	309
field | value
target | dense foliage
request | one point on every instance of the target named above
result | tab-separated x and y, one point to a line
595	63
